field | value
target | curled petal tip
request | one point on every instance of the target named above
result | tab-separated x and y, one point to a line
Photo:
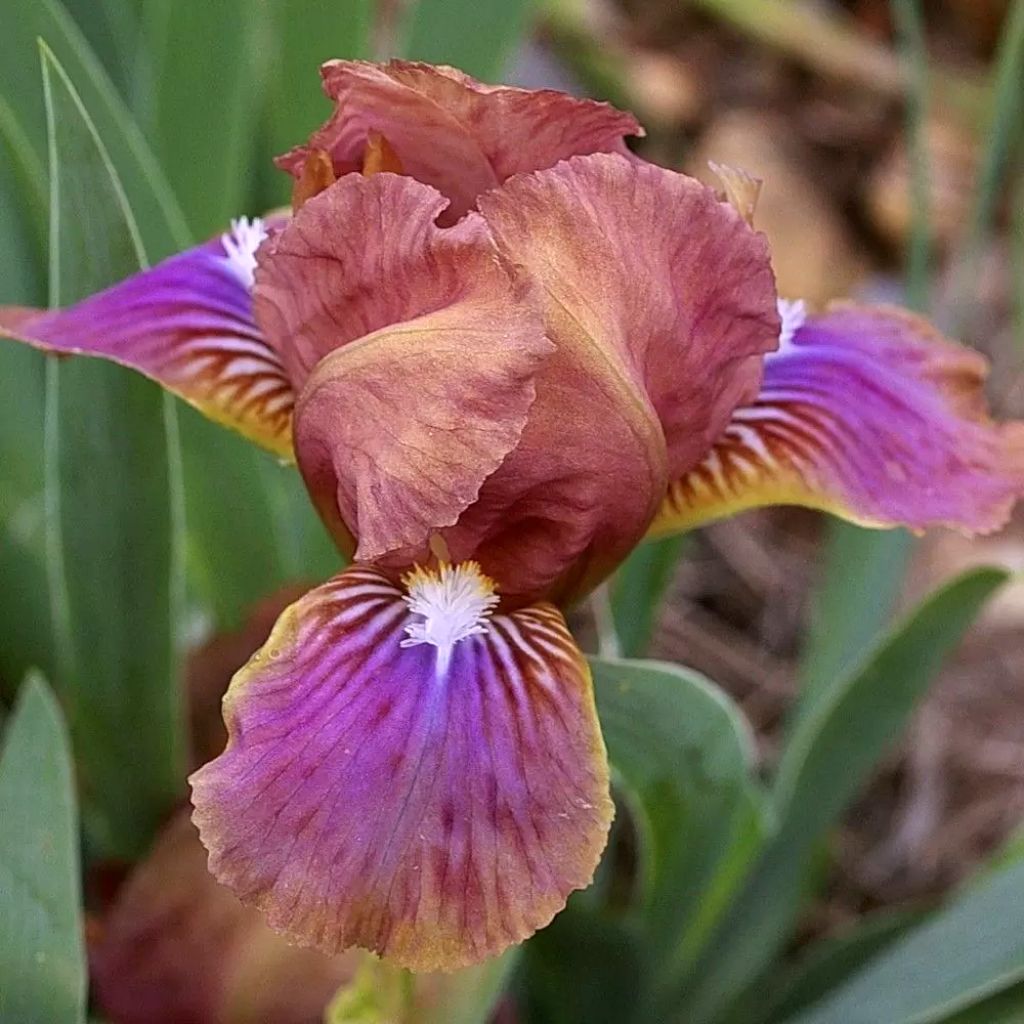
451	131
433	810
740	189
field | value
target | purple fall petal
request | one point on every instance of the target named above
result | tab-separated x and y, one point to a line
188	324
433	809
869	414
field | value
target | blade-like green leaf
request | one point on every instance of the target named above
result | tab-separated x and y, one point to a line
42	959
972	950
585	968
207	62
862	575
111	28
682	753
1005	1008
24	611
114	511
24	21
830	755
1001	137
477	36
830	962
637	589
307	33
252	528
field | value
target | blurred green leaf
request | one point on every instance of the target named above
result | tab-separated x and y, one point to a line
42	960
114	511
111	28
251	525
378	994
829	756
682	752
637	590
1000	138
307	33
829	962
152	202
834	749
26	637
208	62
24	606
967	953
1005	1008
586	967
381	993
471	995
861	578
476	36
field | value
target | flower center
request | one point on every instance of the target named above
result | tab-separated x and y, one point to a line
240	245
793	313
455	602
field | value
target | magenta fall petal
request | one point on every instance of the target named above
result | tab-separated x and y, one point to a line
188	324
371	795
868	413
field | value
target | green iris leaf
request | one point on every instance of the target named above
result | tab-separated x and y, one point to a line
114	512
42	960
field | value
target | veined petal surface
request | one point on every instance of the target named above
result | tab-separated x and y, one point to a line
417	349
660	301
434	808
453	132
869	414
188	324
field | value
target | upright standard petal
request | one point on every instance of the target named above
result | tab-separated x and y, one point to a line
188	324
866	413
660	302
420	348
453	132
408	772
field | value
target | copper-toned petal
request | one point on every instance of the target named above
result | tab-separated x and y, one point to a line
660	301
457	134
395	432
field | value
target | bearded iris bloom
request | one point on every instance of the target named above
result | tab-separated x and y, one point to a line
502	350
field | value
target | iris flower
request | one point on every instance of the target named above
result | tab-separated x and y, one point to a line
502	351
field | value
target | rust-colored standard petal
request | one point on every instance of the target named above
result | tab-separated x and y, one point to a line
457	134
660	301
396	431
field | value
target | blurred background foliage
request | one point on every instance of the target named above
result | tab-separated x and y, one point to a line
777	857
